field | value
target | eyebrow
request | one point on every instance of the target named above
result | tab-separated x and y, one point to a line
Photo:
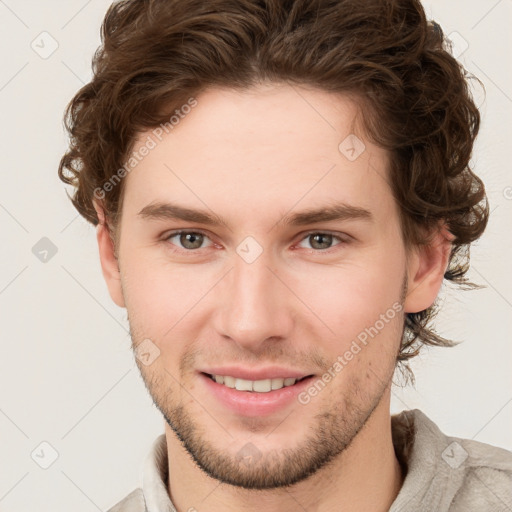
338	211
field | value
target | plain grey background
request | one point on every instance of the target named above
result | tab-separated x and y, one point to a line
67	375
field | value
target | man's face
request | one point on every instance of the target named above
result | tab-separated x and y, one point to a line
260	291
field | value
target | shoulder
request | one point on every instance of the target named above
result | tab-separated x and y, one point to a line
452	473
486	477
134	502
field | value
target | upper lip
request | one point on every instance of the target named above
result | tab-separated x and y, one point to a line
269	372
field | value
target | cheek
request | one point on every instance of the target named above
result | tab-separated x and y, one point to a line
156	293
350	297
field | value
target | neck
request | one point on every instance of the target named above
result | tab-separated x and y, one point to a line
365	476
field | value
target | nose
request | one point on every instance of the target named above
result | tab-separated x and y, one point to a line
253	305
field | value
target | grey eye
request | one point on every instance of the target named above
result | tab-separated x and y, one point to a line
187	240
320	241
191	240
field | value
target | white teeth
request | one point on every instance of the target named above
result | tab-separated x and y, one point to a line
262	386
259	386
243	385
229	381
277	384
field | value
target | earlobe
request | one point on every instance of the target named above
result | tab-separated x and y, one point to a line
426	267
108	259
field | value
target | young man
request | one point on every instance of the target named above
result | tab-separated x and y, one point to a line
280	188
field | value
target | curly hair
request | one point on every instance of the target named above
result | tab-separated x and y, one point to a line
157	54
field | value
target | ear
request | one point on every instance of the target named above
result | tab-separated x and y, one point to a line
426	267
108	258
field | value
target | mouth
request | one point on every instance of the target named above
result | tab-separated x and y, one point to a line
254	398
255	386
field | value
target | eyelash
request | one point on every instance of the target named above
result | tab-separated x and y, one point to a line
342	240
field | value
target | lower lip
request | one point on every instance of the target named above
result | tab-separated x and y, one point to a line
251	403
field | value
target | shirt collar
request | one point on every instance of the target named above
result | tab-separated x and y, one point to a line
155	478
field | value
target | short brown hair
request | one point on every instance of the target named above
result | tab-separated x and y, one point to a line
156	54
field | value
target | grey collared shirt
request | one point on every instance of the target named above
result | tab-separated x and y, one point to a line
444	474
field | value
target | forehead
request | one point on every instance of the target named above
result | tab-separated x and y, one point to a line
261	150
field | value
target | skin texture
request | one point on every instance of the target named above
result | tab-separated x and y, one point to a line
253	157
